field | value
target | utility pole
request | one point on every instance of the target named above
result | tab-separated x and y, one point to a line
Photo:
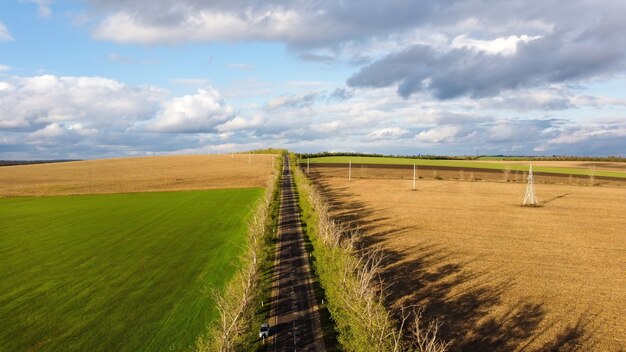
350	170
530	199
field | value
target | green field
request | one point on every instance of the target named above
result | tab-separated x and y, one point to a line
122	272
459	163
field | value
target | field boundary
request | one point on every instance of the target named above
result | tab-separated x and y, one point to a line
355	166
353	287
239	303
294	307
459	164
119	272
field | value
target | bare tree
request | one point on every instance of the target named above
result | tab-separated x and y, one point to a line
592	173
506	171
424	337
355	287
237	303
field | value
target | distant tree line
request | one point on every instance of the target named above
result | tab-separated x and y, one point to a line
609	158
266	151
26	162
583	158
418	156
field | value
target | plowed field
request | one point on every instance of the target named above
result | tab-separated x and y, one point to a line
500	276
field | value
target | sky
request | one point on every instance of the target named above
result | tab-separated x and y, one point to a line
87	79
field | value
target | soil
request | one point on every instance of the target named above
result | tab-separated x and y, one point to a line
500	277
146	174
381	171
598	165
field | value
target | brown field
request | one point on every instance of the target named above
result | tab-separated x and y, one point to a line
360	171
500	276
598	165
162	173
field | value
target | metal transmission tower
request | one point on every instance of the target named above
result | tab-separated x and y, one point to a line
530	199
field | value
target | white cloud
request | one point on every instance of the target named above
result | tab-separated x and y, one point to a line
239	123
203	25
388	133
4	68
292	101
506	46
5	35
33	102
558	97
6	86
43	7
586	133
50	131
95	116
439	134
201	112
328	127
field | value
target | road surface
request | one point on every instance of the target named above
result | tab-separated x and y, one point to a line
294	316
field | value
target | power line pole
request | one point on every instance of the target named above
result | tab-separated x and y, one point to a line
350	170
530	199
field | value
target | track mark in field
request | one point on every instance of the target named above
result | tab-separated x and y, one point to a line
553	199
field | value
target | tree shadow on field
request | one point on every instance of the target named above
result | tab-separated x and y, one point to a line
575	337
432	277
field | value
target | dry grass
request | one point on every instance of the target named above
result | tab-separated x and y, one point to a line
500	276
163	173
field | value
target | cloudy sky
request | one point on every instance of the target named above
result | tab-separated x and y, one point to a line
102	78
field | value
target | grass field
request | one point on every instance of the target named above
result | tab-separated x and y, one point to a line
500	276
557	167
116	272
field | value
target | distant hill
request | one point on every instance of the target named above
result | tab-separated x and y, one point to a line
27	162
470	157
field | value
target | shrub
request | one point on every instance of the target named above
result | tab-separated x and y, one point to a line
354	291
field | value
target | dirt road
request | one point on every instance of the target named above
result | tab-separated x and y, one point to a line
294	316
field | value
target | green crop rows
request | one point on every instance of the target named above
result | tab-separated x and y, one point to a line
122	272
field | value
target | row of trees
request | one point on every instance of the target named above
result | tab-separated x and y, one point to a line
471	157
354	290
418	156
238	303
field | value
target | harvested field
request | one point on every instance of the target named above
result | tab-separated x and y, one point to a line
500	276
124	175
597	165
605	169
374	171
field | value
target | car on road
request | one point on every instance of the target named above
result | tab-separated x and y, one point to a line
264	331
